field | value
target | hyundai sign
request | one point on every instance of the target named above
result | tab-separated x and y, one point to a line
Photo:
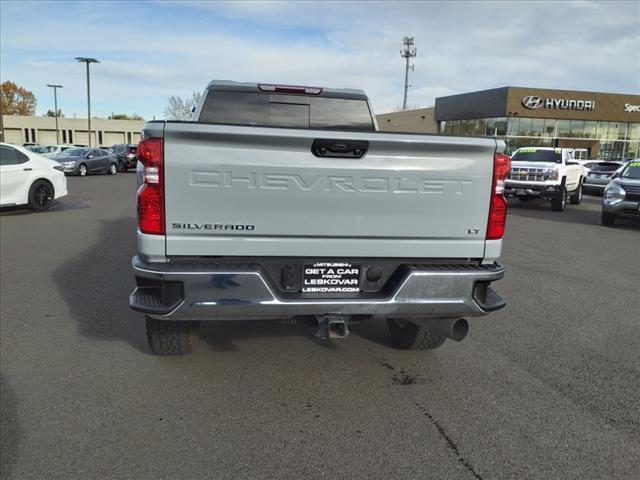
533	102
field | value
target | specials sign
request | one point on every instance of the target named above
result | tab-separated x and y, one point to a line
534	102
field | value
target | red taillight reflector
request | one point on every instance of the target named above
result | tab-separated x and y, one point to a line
289	89
151	192
498	204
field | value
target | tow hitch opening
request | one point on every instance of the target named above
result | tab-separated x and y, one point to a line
332	326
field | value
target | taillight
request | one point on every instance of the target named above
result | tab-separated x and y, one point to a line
498	205
151	192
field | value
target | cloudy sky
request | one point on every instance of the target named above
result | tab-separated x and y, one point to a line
150	50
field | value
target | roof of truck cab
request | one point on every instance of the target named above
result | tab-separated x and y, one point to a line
228	85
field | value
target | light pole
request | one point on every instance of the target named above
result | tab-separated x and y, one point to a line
55	104
408	51
88	60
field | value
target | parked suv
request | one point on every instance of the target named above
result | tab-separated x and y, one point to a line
126	155
599	176
549	173
622	195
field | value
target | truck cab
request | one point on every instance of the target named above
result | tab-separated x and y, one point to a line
549	173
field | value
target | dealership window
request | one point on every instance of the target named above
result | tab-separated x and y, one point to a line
70	136
64	136
563	128
464	127
490	127
622	131
612	131
633	150
501	126
576	129
524	127
537	127
481	126
634	131
590	128
549	127
100	138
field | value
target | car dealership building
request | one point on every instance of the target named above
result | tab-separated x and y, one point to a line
598	125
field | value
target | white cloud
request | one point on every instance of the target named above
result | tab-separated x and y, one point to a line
155	50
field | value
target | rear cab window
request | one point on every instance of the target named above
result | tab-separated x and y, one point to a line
606	167
267	109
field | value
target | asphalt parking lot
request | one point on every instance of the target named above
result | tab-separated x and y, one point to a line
546	388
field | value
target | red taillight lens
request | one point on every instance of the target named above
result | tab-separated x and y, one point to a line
498	205
151	192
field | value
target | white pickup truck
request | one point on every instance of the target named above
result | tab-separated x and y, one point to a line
549	173
281	202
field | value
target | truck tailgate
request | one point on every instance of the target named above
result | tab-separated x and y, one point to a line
257	191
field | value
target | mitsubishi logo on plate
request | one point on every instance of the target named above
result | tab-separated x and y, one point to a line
532	102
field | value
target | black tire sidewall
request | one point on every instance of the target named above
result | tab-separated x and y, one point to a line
559	202
32	203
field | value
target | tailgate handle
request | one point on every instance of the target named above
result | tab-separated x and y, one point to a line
339	148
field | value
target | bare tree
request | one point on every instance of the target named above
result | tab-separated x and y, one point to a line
180	108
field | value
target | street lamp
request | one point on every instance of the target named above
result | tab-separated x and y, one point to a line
88	60
55	104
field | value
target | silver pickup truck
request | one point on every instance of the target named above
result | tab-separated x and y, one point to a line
281	202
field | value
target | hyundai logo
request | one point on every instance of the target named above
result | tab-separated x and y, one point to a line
532	102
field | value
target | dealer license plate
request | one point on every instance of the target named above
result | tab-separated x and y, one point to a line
331	277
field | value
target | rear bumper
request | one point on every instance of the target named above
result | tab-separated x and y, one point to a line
597	187
213	291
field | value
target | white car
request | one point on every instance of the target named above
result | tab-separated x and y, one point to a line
56	149
27	178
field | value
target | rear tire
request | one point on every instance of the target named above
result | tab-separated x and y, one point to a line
170	337
608	219
576	196
411	336
559	202
41	195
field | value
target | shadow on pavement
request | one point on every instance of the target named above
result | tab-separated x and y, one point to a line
96	284
65	203
223	335
10	430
